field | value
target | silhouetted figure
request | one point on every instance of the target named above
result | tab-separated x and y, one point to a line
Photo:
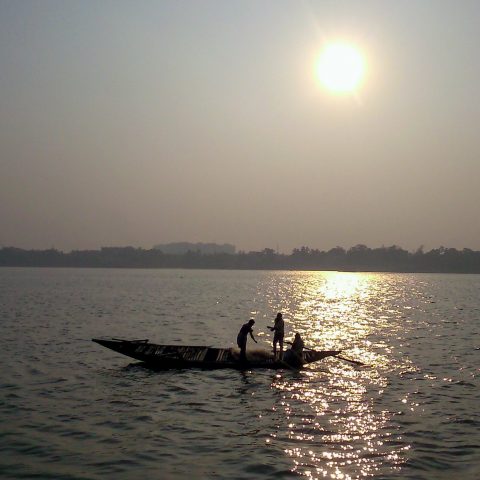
298	345
279	329
294	355
242	338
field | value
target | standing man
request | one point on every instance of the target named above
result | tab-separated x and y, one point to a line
279	329
242	338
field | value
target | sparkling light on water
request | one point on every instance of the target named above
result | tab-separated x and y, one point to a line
70	409
345	434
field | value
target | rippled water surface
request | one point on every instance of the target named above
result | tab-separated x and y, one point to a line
71	409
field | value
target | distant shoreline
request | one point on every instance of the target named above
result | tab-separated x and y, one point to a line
356	259
243	269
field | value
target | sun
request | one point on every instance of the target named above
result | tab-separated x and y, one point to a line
340	68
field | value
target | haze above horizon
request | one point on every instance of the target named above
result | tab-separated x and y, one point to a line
138	123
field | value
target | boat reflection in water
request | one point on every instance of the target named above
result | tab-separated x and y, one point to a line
335	413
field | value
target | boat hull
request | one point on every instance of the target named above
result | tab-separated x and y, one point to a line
177	356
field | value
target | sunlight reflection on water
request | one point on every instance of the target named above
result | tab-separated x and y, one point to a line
344	435
70	410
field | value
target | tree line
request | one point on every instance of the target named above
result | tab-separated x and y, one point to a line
357	258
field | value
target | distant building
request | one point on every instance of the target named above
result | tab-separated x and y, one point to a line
179	248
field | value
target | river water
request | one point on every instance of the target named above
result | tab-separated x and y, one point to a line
70	409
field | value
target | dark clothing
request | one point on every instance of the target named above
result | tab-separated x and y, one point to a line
245	330
298	345
279	329
294	355
242	340
279	332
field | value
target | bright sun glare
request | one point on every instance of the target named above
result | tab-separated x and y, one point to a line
341	68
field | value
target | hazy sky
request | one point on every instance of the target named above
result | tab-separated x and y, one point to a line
144	122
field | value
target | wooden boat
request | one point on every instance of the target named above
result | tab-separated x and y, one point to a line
176	356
